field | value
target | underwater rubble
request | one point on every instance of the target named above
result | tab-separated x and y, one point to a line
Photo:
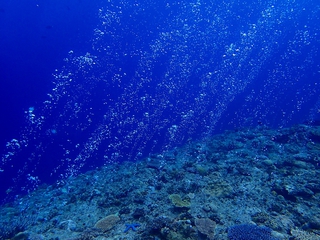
250	182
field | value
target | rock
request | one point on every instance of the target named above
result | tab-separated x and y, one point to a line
139	212
302	157
206	226
300	164
107	223
21	236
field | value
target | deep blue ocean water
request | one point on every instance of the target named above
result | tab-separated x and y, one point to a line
88	83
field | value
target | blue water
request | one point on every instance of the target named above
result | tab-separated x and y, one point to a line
88	83
35	37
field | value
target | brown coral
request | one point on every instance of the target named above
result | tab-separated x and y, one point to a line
206	226
178	202
107	223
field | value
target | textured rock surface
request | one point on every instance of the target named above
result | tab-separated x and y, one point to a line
107	223
205	226
261	176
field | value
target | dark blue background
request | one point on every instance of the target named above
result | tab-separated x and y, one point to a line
35	37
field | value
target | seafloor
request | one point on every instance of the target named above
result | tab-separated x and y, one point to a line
255	176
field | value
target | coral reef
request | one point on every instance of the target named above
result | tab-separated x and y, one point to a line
249	232
196	192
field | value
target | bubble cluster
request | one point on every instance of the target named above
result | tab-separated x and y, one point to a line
159	74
